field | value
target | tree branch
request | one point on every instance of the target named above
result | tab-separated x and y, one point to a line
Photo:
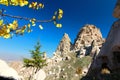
25	18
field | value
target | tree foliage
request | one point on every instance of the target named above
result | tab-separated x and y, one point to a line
7	30
37	61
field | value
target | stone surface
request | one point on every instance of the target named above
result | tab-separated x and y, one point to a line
40	75
86	36
108	59
116	12
7	71
88	42
110	52
64	45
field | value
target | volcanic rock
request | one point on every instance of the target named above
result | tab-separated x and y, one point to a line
110	52
40	75
64	45
88	42
8	72
86	36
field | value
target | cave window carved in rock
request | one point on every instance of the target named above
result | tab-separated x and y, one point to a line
105	69
82	42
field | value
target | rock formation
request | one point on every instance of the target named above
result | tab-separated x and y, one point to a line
64	45
8	72
89	40
86	36
110	52
68	57
40	75
108	59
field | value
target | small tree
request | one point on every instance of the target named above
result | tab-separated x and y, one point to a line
37	61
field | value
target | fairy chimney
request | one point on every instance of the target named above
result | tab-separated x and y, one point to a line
64	45
86	36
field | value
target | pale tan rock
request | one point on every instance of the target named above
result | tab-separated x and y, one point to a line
64	45
40	75
86	36
7	71
44	55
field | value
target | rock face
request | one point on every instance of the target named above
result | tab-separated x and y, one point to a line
89	40
110	52
64	45
7	71
116	12
40	75
108	59
86	36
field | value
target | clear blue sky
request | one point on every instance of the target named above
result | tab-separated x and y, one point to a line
76	14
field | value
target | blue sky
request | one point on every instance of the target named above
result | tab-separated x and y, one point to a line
77	13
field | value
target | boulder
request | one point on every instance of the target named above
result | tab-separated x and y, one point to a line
40	75
6	71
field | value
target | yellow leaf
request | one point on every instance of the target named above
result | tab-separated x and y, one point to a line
59	25
29	25
22	31
1	22
54	17
18	31
9	26
25	2
40	4
15	22
8	30
60	11
30	5
40	26
29	30
14	25
6	36
33	24
59	16
34	3
22	4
